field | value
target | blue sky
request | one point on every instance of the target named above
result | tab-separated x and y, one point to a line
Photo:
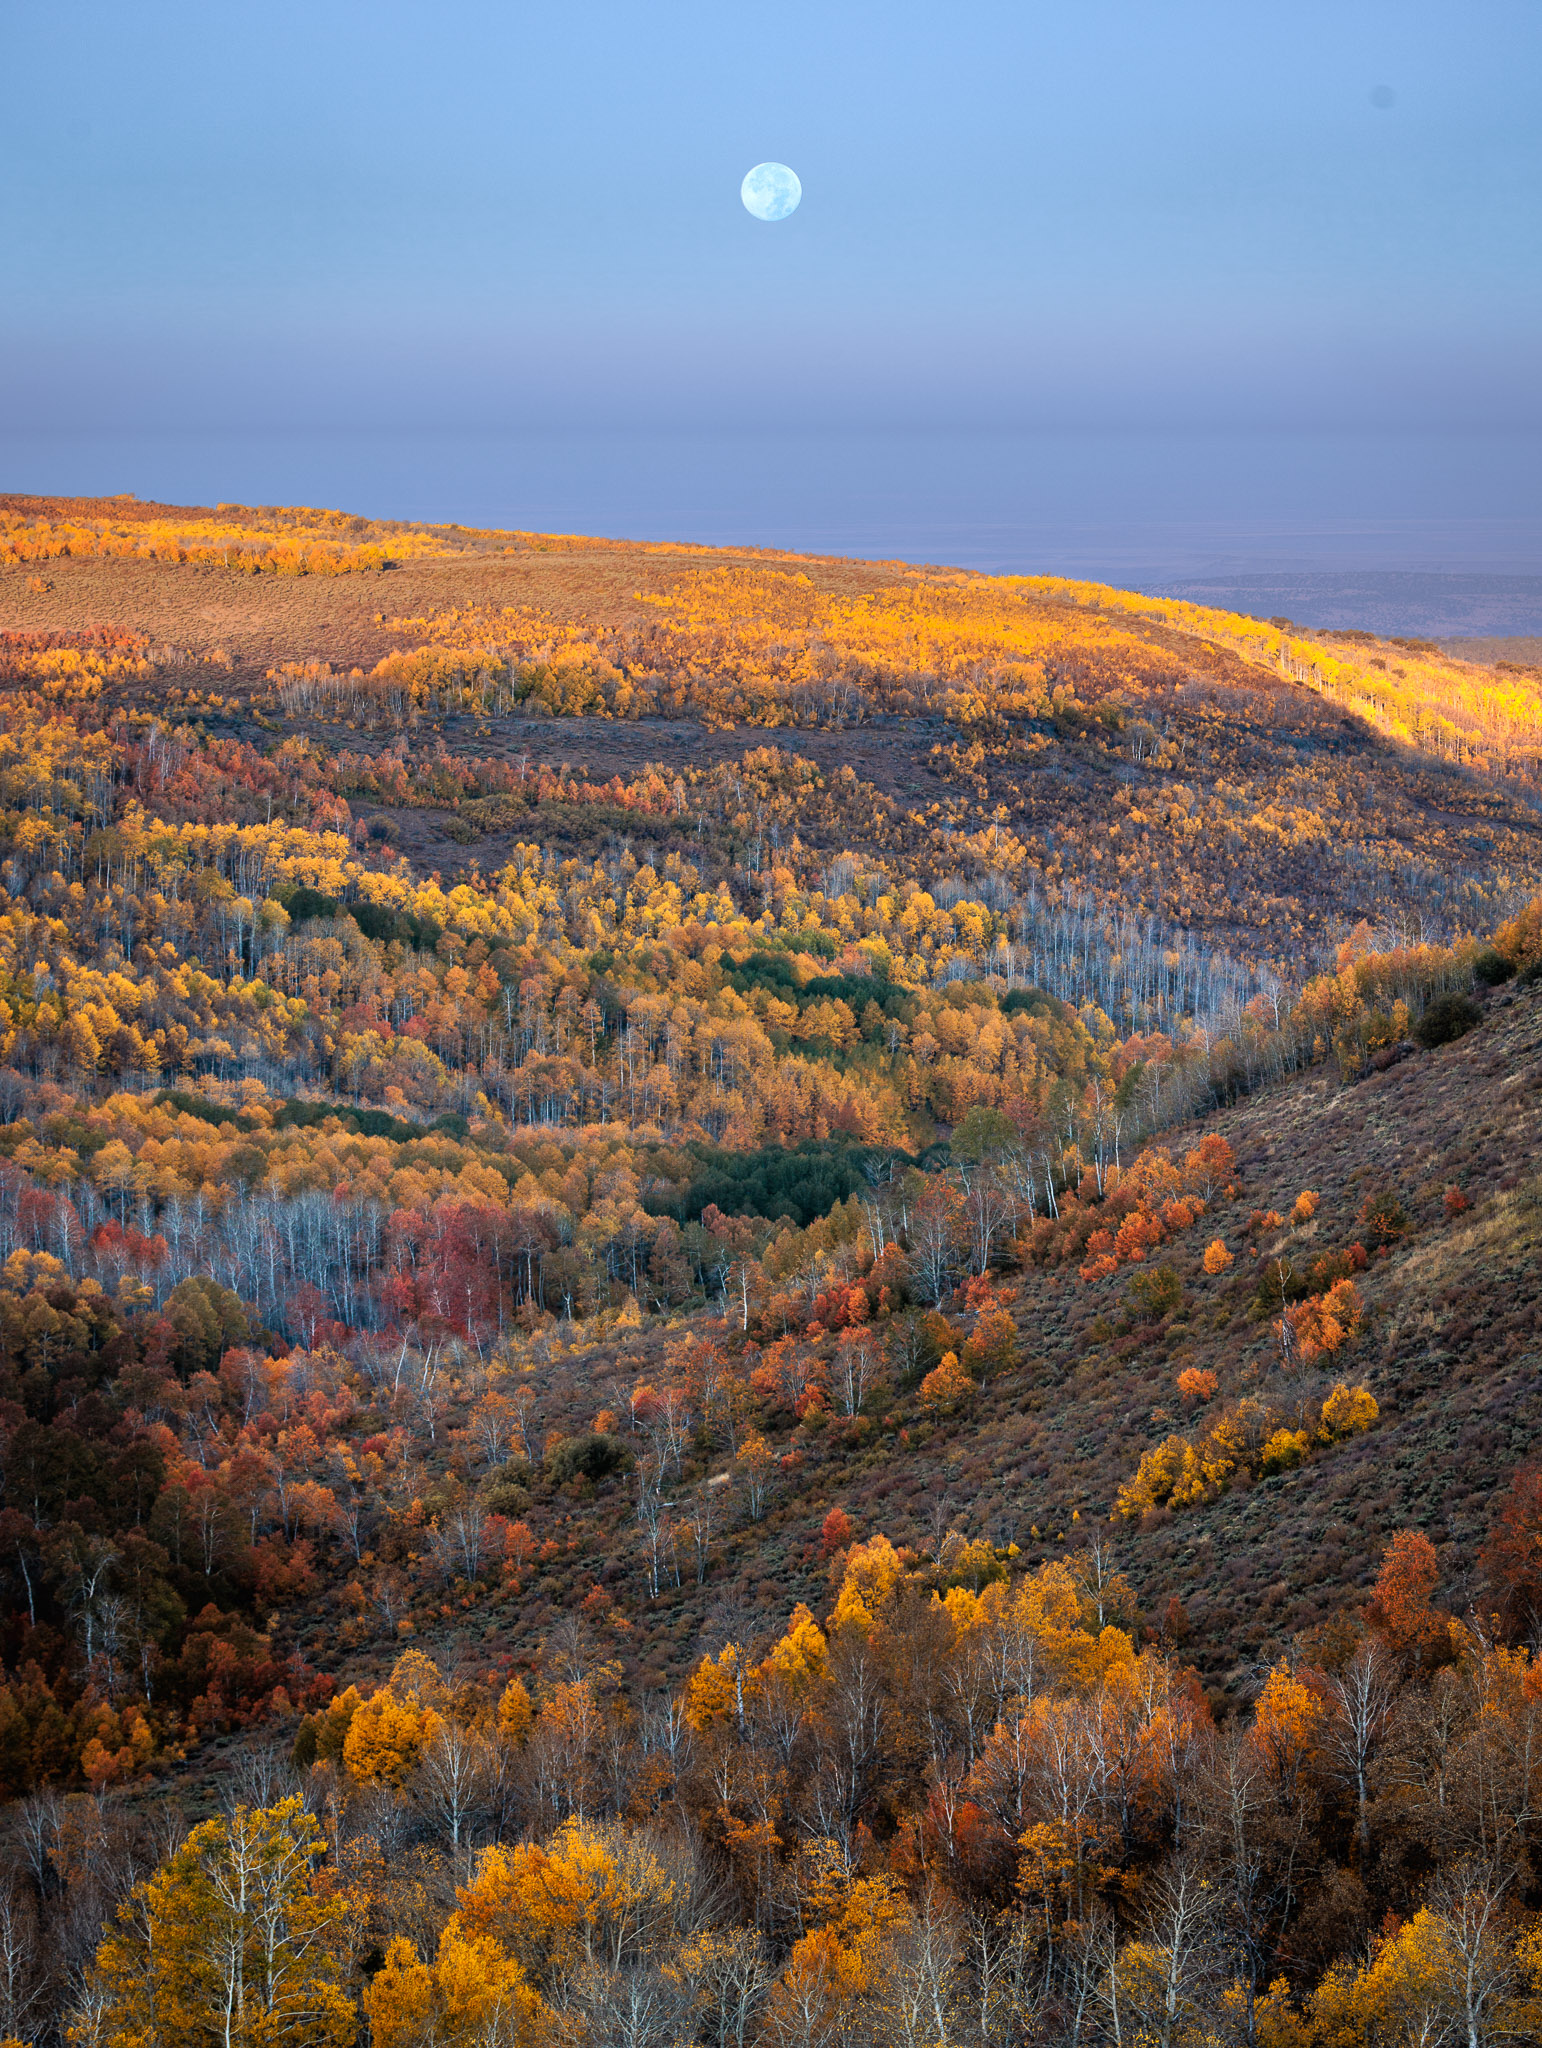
464	215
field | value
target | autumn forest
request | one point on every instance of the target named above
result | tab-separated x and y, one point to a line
753	1299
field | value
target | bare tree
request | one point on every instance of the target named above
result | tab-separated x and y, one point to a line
261	1776
990	1210
731	1969
37	1821
21	1973
856	1369
933	1246
939	1525
1361	1698
919	1996
1101	1583
452	1781
698	1521
645	2007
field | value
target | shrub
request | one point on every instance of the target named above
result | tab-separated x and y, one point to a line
976	1565
506	1491
1196	1383
1217	1257
1161	1468
1325	1323
1384	1217
1156	1293
1284	1450
1447	1018
586	1457
1347	1411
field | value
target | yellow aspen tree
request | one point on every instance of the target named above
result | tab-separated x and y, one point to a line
237	1940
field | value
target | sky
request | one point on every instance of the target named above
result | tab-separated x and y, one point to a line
1156	217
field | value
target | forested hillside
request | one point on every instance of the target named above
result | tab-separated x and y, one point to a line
747	1298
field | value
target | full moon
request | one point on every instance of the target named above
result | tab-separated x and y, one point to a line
771	191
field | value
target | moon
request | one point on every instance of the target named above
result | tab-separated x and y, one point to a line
771	191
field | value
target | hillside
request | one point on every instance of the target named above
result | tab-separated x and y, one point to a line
559	1099
1448	1347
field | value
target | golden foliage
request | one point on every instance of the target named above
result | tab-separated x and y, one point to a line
236	1938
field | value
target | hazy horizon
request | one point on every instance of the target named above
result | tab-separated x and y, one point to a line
1148	511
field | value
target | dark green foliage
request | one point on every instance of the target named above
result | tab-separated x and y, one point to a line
370	1123
1492	968
1448	1017
1032	1002
185	1103
506	1491
822	945
379	922
801	1181
774	972
299	1114
304	903
587	1457
983	1134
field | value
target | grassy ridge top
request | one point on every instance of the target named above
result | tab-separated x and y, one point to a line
758	633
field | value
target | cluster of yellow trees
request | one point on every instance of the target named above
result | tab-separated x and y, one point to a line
73	667
1186	805
143	946
768	644
964	1809
278	541
1253	1436
761	644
